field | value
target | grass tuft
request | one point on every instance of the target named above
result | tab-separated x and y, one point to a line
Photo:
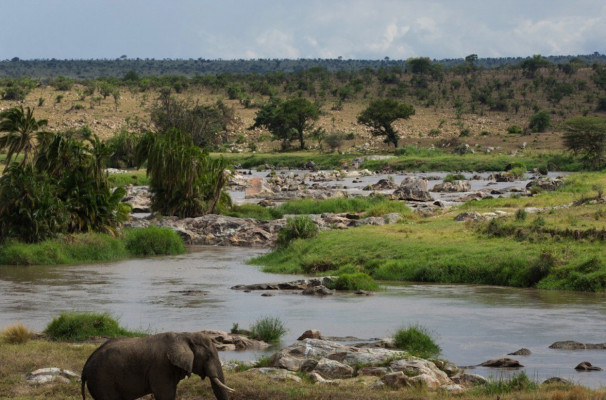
517	382
16	334
268	329
355	281
417	340
78	327
152	241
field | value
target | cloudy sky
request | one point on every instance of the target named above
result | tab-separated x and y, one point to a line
358	29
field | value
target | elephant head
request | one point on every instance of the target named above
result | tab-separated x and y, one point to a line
195	352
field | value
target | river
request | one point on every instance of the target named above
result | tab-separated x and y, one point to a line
192	292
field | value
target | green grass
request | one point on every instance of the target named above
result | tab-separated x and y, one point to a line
444	251
517	382
152	241
254	211
371	206
92	247
268	329
355	281
416	340
82	326
136	178
299	227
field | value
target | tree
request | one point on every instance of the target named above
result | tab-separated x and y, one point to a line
381	114
21	133
586	136
288	119
539	121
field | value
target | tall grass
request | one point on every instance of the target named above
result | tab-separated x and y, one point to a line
16	334
82	326
517	382
92	247
153	241
268	329
417	340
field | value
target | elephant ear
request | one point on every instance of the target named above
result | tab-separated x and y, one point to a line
180	355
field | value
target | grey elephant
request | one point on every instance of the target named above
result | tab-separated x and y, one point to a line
126	369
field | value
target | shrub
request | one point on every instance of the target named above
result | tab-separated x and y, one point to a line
454	177
15	334
80	327
334	140
355	281
268	329
416	340
521	214
515	383
514	129
465	133
540	121
299	227
152	241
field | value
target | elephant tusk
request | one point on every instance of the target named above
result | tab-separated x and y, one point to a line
218	382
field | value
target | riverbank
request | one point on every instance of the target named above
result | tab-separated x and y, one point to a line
553	239
24	358
93	247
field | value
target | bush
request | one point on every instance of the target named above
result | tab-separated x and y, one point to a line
80	327
334	140
299	227
268	329
15	334
416	340
540	121
517	382
152	241
521	214
514	129
454	177
355	281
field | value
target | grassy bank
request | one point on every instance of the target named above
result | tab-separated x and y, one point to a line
411	158
21	359
92	247
557	248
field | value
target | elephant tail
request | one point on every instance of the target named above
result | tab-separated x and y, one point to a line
83	379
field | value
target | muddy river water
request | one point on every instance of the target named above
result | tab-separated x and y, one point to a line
192	292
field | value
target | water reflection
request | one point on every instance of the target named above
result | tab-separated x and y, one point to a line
192	292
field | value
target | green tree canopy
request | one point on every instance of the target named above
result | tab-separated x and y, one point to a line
21	133
288	119
381	114
586	136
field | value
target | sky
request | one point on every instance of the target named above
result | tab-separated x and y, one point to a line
250	29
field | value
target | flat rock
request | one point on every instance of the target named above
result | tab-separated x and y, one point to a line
556	380
331	369
502	363
573	345
521	352
586	366
469	379
51	374
225	341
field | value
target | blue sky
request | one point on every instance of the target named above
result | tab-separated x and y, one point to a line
361	29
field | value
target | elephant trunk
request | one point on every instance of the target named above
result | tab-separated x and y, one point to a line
220	389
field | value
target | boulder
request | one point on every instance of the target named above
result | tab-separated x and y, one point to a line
469	216
521	352
586	366
424	371
412	189
276	374
556	380
397	380
257	188
469	379
450	187
224	341
373	371
382	184
320	290
311	334
573	345
331	369
502	363
546	184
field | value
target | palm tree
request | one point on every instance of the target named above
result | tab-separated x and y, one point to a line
21	133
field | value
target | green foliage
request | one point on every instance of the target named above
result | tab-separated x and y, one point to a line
184	180
335	140
517	382
153	241
123	146
254	211
540	121
381	114
586	136
521	214
355	281
15	334
514	129
268	329
417	340
288	119
21	133
299	227
82	326
454	177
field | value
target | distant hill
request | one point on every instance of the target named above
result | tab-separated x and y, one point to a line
92	69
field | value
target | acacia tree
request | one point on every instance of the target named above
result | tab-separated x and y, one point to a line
381	114
21	133
586	136
288	119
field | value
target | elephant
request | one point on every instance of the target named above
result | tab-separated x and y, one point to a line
128	368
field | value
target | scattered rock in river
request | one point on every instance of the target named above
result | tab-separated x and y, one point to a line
521	352
573	345
456	186
586	366
556	380
502	363
382	184
412	189
311	334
